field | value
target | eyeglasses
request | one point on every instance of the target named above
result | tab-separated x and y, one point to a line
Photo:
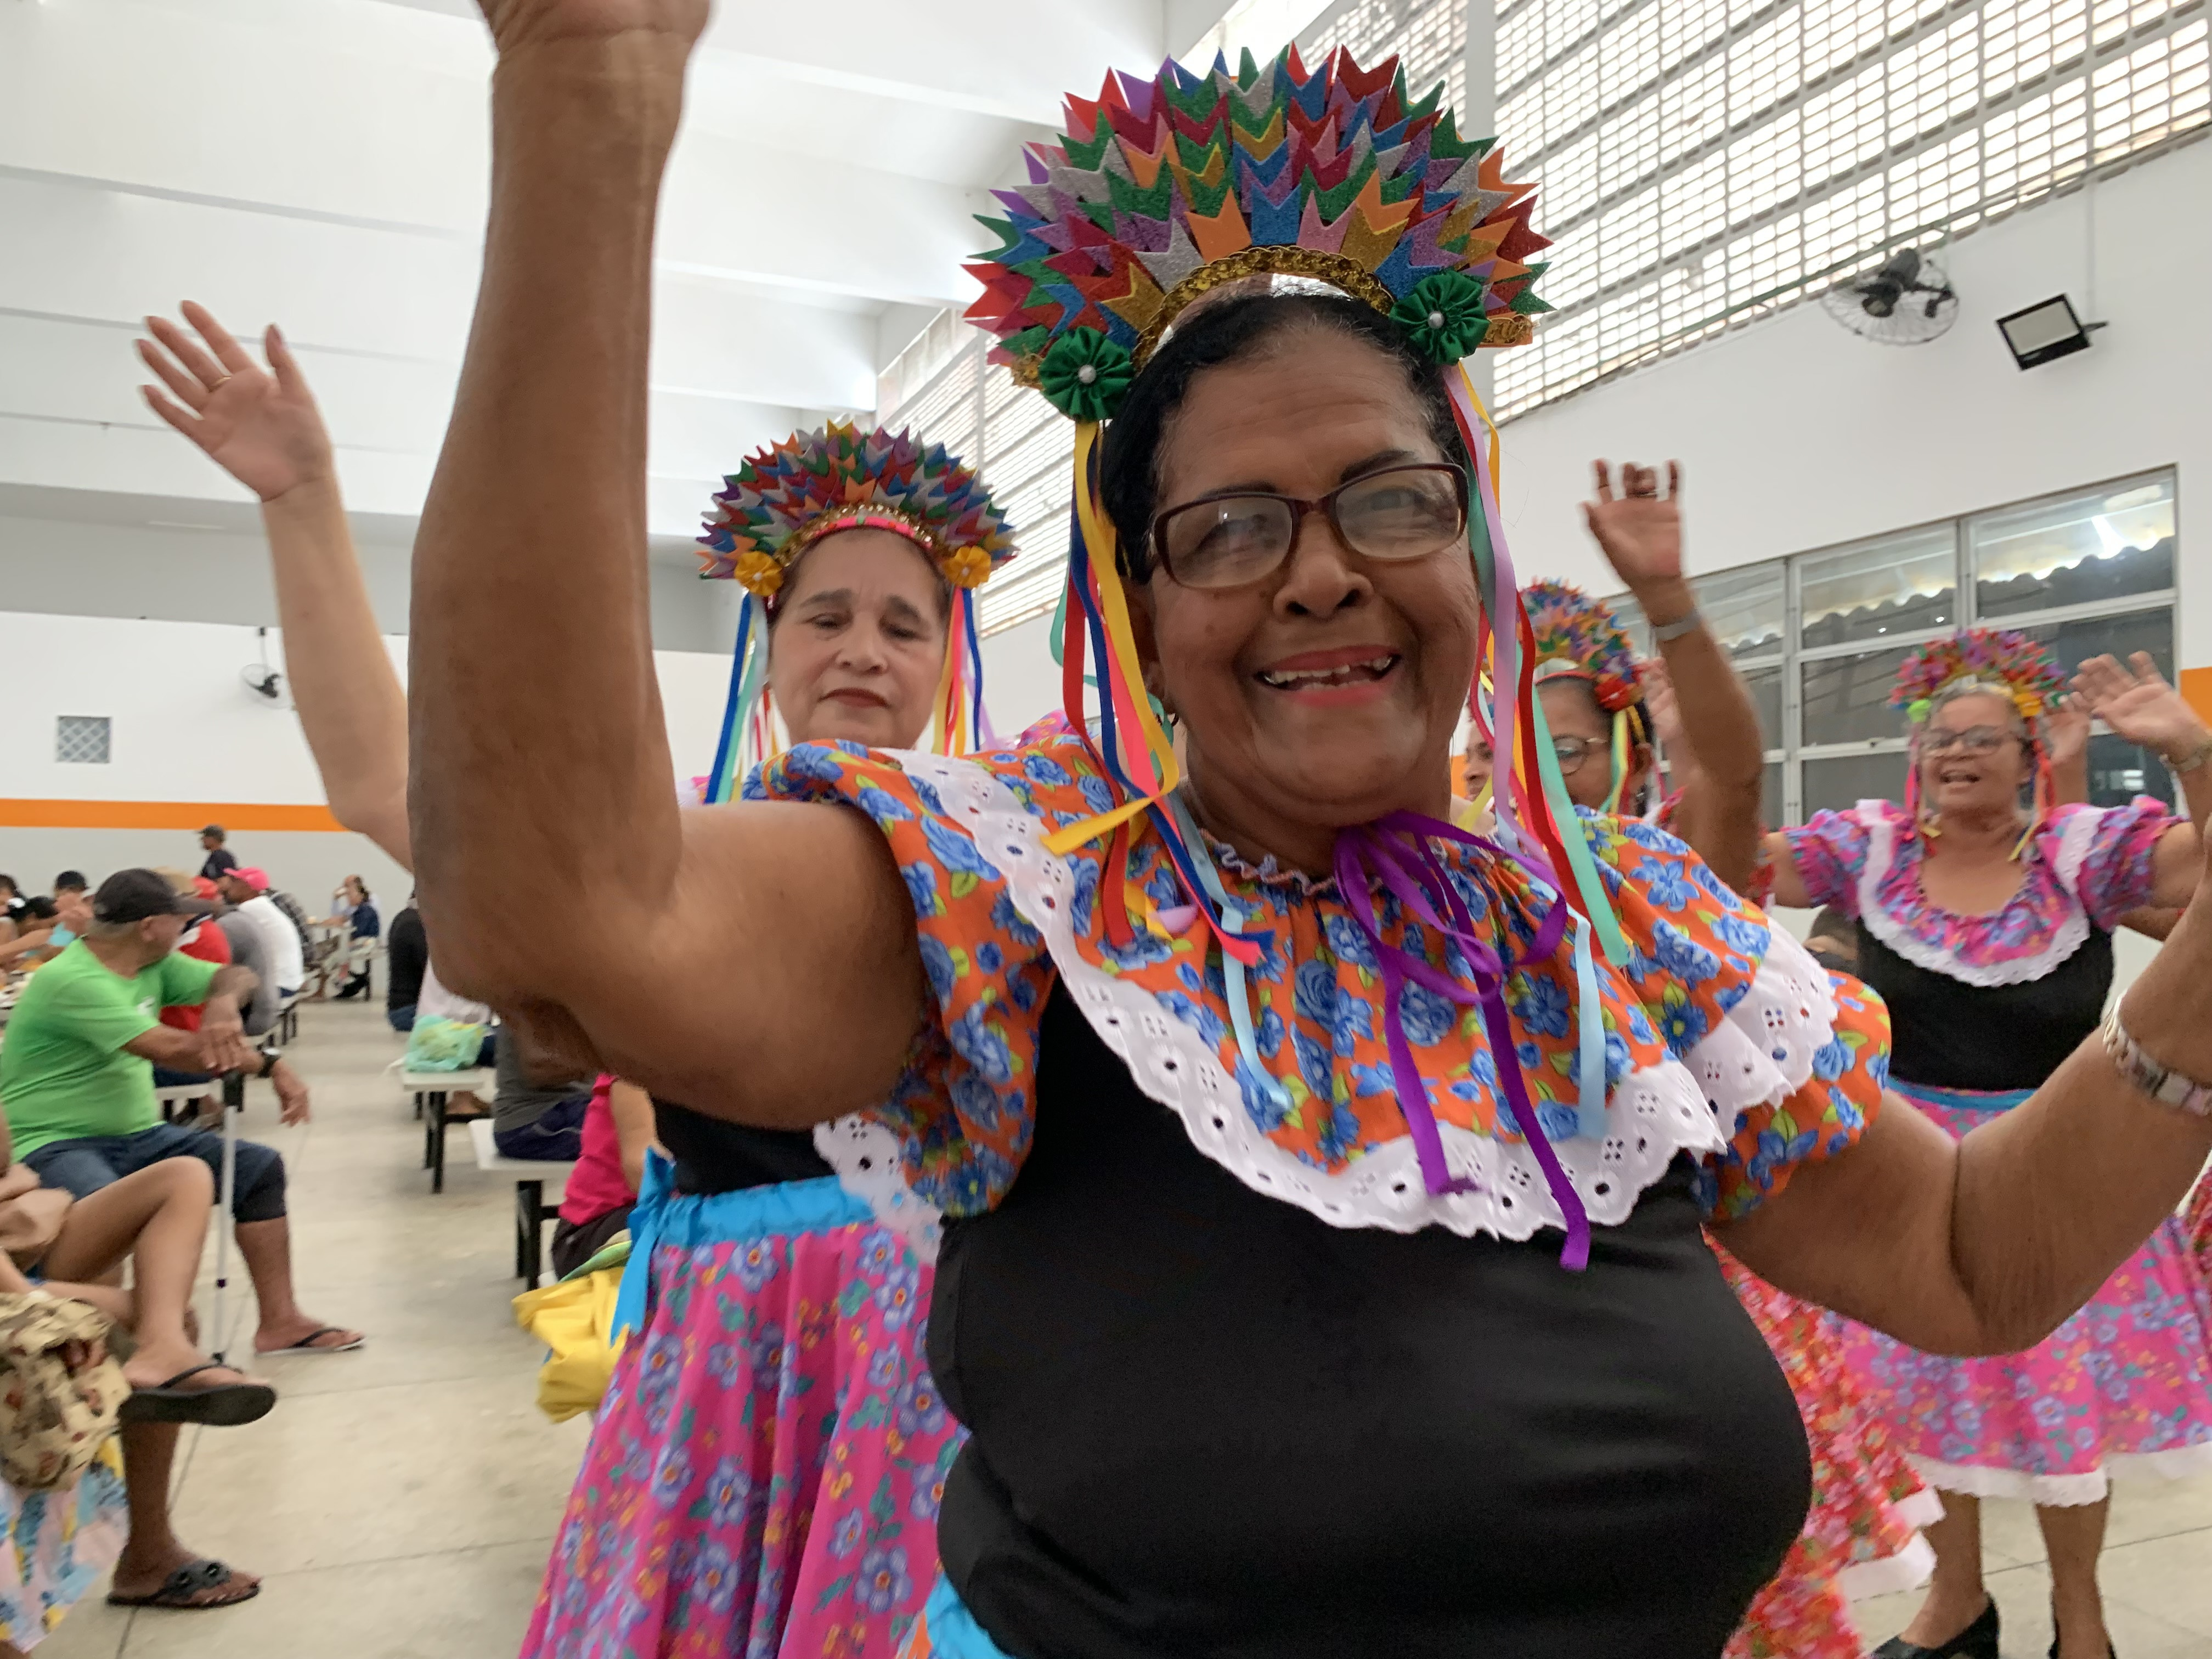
1573	751
1974	740
1397	515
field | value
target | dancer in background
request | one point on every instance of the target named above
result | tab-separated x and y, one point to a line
1602	707
766	1464
1987	930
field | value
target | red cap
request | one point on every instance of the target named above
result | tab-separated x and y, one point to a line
205	888
256	879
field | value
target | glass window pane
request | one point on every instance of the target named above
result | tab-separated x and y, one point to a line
1744	608
1765	687
2121	636
1832	785
2119	772
1900	585
2078	550
1846	699
1770	795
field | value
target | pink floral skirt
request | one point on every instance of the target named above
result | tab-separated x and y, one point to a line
2123	1387
765	1472
1862	1536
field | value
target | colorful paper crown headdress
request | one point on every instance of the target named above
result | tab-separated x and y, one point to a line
1163	189
789	496
1576	635
2007	662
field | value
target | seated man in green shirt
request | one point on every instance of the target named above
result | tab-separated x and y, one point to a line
76	1080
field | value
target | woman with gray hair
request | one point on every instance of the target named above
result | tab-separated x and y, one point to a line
1988	933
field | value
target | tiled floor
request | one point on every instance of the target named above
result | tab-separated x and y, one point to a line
400	1501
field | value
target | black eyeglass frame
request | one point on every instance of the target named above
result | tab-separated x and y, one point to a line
1157	544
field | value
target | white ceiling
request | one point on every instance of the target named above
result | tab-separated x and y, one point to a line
321	163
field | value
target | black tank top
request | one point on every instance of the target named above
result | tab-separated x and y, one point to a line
1209	1425
713	1155
1951	1034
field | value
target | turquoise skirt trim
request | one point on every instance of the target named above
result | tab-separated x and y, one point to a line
953	1632
1960	1100
664	1216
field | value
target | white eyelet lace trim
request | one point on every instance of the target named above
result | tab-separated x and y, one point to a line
1761	1053
2073	840
866	1157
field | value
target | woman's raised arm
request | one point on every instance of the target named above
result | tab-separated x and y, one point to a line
1983	1245
262	427
756	961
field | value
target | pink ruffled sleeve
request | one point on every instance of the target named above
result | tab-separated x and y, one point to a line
2118	873
1829	853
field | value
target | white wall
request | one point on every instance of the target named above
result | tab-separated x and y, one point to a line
186	728
1794	433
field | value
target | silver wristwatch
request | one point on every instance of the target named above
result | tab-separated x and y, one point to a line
2168	1088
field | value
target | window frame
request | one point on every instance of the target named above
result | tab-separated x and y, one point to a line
1792	752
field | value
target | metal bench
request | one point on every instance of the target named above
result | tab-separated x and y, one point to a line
532	1209
432	1089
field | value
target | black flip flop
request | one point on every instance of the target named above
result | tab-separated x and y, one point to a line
179	1589
223	1407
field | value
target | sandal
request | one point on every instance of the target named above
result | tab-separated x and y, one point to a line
179	1588
224	1406
308	1345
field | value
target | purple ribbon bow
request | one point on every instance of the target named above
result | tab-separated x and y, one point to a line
1394	851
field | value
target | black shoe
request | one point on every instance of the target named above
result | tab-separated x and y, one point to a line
1978	1641
2109	1651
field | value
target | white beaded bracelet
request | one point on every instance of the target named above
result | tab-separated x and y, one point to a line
2162	1084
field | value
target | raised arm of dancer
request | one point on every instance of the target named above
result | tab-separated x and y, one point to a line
755	961
262	427
1640	533
2066	733
1983	1245
2134	699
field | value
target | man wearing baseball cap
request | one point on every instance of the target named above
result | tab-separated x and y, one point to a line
247	890
76	1078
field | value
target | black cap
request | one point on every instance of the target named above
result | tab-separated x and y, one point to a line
135	895
215	830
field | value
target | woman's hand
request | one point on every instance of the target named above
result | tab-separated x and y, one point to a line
2136	702
261	428
2066	732
1639	531
1658	689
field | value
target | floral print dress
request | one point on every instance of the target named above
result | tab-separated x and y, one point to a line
1720	1039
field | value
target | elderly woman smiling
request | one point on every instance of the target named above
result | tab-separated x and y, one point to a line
1251	1294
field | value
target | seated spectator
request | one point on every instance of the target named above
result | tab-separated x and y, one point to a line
610	1168
406	954
71	883
203	941
11	900
531	1120
220	861
32	942
365	926
76	1071
247	892
1834	941
157	1218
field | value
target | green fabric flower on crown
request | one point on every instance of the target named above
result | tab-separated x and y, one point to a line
1444	316
1084	374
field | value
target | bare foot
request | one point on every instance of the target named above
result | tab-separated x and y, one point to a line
305	1333
137	1579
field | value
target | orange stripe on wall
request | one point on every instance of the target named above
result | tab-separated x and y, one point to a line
160	815
2196	686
